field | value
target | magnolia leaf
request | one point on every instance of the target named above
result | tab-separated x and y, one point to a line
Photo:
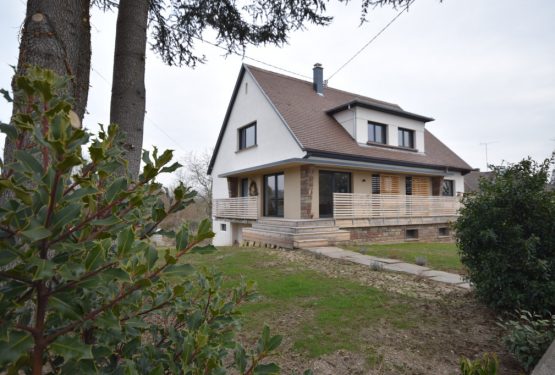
71	348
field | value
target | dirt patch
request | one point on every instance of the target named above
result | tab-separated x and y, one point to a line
451	324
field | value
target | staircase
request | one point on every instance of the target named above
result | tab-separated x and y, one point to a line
291	234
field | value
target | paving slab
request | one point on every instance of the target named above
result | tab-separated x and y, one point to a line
392	265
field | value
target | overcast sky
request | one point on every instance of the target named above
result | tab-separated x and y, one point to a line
485	70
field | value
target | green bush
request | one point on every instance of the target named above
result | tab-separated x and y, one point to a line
506	238
528	336
82	290
487	365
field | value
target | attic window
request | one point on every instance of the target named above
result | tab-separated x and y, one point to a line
377	133
406	138
247	136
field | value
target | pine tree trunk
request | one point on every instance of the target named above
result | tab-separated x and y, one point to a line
127	107
56	35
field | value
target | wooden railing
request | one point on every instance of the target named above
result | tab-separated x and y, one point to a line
351	206
245	208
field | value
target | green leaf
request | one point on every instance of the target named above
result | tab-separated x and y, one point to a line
164	158
9	130
28	161
115	274
151	256
178	271
240	357
7	256
71	348
38	232
182	239
125	242
17	343
69	162
116	187
6	94
66	215
81	192
44	269
274	342
64	308
110	220
266	369
171	168
204	230
94	258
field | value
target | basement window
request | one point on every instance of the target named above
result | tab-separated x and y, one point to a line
443	232
411	234
223	227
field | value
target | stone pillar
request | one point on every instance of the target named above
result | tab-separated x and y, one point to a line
233	187
307	184
437	183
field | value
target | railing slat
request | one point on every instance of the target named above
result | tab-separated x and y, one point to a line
351	206
236	208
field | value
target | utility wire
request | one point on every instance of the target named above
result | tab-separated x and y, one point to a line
146	116
253	59
372	39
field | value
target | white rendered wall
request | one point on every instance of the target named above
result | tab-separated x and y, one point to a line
347	120
363	115
222	238
274	142
458	182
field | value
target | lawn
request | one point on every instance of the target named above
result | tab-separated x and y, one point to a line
340	318
439	256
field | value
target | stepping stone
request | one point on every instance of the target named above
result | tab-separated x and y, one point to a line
413	269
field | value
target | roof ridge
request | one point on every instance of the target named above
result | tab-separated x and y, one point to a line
363	97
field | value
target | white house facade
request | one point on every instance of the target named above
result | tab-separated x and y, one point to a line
298	164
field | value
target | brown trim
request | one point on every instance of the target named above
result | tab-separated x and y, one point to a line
377	144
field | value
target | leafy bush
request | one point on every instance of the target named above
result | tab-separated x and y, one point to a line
528	336
82	290
506	238
421	261
487	365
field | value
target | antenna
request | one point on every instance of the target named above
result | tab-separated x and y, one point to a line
486	145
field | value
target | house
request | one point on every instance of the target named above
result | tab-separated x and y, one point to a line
299	164
472	180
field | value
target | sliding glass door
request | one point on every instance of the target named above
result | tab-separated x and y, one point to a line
329	183
274	185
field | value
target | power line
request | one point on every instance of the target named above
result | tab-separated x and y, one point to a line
372	39
146	116
253	59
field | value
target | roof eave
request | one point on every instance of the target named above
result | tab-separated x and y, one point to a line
379	108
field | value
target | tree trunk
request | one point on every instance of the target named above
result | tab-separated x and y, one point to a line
127	107
56	35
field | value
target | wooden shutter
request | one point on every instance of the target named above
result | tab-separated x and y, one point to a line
390	184
421	185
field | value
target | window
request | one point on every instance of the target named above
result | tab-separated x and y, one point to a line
408	185
247	136
406	138
223	227
377	133
274	185
443	232
447	189
375	184
244	187
411	234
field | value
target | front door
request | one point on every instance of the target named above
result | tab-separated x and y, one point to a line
329	183
274	185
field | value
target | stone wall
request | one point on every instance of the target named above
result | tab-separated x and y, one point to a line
398	233
307	185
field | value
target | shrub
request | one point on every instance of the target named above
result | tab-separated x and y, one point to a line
82	290
376	266
487	365
528	336
506	238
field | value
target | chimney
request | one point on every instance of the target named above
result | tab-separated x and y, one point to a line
318	79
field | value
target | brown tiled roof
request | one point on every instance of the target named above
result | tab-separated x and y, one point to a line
305	112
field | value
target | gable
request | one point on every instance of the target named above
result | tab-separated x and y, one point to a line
274	140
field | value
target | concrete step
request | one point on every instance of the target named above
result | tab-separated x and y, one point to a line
316	242
298	222
303	229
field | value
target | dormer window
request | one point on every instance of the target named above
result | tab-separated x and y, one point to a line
406	138
247	136
377	133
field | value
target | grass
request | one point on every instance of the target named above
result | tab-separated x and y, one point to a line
440	256
324	314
